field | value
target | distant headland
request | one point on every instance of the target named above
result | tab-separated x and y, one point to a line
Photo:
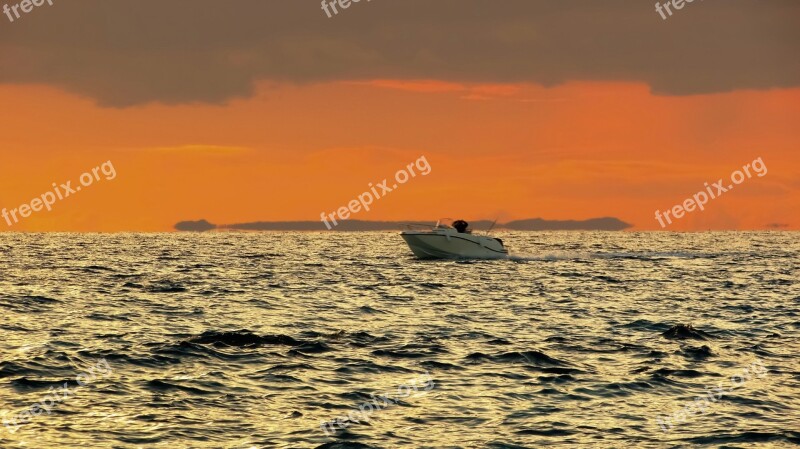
532	224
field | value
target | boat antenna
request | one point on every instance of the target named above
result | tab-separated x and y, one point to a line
492	226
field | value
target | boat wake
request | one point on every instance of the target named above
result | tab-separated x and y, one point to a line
550	256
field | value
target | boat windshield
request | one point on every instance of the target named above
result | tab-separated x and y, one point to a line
444	223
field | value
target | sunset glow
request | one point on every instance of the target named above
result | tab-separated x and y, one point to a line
575	151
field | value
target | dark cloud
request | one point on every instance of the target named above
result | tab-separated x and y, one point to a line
181	51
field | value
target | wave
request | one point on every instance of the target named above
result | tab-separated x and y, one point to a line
242	339
683	332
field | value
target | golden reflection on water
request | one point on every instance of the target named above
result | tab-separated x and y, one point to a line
562	344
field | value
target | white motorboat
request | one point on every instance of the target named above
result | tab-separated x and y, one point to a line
452	241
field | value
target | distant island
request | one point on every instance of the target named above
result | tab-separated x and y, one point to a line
532	224
196	226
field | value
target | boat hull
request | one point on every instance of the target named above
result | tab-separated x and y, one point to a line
430	245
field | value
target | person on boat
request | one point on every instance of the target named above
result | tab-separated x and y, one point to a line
461	226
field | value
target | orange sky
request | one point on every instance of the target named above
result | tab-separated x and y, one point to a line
574	151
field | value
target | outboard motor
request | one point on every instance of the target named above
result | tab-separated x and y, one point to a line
461	226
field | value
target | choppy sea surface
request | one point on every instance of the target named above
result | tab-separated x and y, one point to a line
253	340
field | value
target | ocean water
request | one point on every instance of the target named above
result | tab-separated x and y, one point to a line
254	340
